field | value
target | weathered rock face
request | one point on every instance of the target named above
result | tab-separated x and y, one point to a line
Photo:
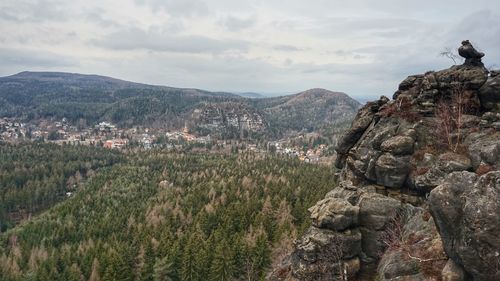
466	209
484	148
446	163
376	212
332	248
436	136
361	122
398	145
422	93
322	254
489	94
334	213
392	170
221	117
415	249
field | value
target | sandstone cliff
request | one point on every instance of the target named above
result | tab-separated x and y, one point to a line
418	192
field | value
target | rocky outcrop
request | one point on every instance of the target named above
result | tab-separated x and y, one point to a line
221	118
489	93
466	208
471	55
439	136
420	94
323	254
333	247
361	122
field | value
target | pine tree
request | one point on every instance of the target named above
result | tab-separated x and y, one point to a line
262	255
149	262
189	267
117	268
163	270
73	273
222	268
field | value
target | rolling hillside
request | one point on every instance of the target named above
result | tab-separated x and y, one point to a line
91	99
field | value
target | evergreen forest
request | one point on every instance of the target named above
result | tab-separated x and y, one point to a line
86	213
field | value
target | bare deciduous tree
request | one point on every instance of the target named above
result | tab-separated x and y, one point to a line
449	114
448	53
333	267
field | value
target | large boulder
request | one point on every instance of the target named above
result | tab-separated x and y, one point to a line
323	254
376	211
395	265
446	163
398	145
484	148
392	170
466	209
334	213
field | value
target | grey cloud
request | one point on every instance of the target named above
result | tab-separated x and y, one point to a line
375	23
135	39
371	79
33	11
334	27
425	9
345	54
235	24
183	70
187	8
287	48
98	16
26	58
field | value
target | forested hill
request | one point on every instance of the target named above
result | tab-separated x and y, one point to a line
167	216
90	99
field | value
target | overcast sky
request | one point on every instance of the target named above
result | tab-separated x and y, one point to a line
361	47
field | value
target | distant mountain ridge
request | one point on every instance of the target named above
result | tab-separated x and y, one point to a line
92	81
93	98
251	95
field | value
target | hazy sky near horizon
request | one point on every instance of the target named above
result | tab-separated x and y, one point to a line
361	47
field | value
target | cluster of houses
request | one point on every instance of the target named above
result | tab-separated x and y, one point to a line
12	129
61	132
310	155
108	135
103	134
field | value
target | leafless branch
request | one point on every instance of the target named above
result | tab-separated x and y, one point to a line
448	53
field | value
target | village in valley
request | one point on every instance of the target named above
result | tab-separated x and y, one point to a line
108	135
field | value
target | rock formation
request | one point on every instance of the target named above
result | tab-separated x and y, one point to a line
466	207
471	55
418	191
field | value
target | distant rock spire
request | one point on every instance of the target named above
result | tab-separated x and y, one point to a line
471	55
